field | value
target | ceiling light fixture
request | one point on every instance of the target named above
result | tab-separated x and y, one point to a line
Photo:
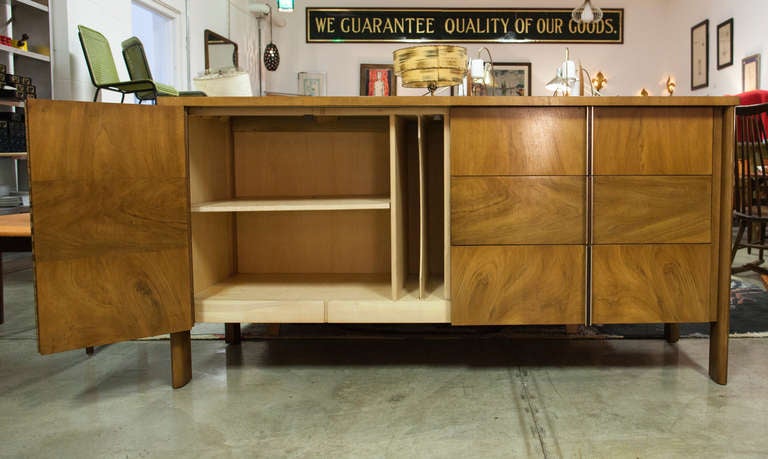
285	5
271	54
587	13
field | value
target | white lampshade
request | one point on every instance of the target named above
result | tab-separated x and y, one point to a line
557	84
228	84
565	77
477	68
568	71
587	13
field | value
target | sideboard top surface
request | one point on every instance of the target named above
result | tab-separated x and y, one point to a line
445	101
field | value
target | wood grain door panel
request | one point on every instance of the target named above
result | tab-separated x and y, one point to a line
652	209
110	222
653	140
512	285
518	210
518	141
651	283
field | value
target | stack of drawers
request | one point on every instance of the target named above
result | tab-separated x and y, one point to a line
566	215
518	215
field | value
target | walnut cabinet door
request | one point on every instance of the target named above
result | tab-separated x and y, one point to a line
110	222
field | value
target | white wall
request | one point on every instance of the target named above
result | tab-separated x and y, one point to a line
750	22
71	79
642	61
113	19
656	44
205	14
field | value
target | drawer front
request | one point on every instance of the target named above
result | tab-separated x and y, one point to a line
512	285
517	210
653	140
518	141
652	210
651	283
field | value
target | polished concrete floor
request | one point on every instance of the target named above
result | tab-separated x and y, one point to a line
390	398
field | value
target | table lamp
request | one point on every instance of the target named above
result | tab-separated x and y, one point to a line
564	78
430	66
482	73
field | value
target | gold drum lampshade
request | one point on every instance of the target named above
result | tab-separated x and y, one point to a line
430	66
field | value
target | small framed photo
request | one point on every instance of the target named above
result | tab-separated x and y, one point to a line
511	79
700	55
377	80
725	44
311	84
750	73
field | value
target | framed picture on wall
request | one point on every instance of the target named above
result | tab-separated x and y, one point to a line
511	79
750	73
700	55
377	80
311	84
725	44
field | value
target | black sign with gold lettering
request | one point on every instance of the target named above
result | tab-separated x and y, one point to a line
543	25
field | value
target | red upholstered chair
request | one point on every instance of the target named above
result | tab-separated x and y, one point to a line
750	192
758	96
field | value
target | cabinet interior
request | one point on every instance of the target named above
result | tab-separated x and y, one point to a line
318	218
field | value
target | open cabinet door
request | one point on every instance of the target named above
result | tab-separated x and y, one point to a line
110	222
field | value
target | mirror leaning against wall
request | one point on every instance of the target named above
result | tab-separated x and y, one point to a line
220	52
222	77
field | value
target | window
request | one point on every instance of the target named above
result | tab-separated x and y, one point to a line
156	32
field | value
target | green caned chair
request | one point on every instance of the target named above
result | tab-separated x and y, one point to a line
101	66
138	69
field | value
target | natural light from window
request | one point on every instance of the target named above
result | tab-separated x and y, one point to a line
155	30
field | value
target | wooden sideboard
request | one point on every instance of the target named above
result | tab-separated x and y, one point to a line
461	210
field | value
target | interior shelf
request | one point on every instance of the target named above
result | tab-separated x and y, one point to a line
29	54
276	205
14	154
33	4
337	298
11	103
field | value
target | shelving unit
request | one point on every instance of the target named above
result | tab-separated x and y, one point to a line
31	17
299	218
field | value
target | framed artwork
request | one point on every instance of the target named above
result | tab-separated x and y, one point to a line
750	73
311	84
700	55
377	80
725	44
511	79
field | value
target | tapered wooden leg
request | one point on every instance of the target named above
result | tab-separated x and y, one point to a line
718	352
672	332
2	307
89	350
232	333
181	358
718	335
